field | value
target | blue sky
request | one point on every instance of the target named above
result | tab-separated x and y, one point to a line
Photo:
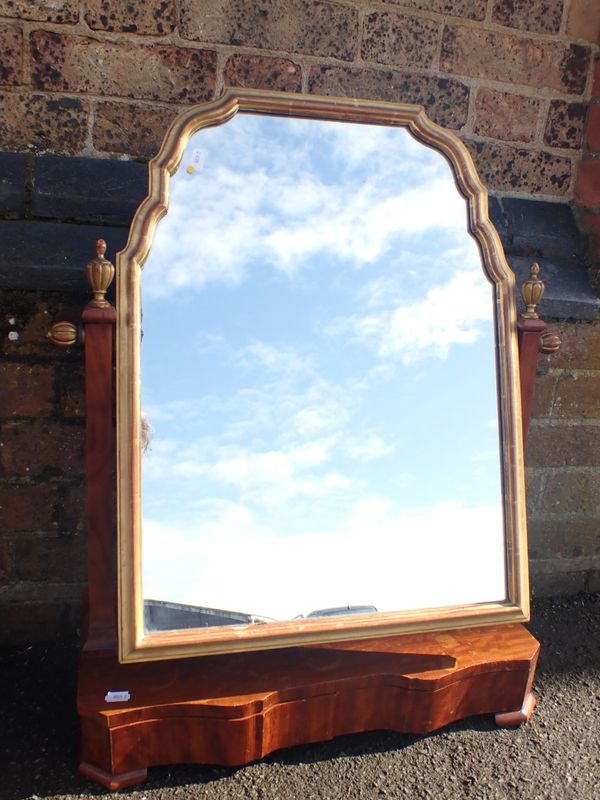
318	372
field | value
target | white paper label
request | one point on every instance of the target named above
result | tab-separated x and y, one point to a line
117	697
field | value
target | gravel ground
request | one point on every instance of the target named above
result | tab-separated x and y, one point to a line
554	756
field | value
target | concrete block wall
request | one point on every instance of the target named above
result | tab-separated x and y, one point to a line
87	90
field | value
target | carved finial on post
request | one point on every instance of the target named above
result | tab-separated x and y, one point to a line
99	272
532	292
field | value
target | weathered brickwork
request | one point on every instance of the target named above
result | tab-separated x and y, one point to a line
563	461
42	547
523	70
519	82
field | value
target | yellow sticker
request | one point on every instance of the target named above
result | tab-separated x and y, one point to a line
190	170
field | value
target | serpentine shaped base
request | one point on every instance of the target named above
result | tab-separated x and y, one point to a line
231	710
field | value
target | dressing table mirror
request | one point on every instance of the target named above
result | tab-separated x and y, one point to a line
319	470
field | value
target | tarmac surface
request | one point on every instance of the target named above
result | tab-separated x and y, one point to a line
555	756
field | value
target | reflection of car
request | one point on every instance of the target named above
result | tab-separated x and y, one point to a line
341	611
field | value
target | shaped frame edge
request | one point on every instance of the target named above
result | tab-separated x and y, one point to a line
134	643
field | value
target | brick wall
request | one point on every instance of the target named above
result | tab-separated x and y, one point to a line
87	90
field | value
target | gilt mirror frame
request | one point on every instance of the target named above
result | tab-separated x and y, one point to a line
137	644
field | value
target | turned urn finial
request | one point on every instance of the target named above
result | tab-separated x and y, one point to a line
532	292
99	272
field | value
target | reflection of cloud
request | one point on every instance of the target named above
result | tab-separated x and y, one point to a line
368	447
449	314
269	477
282	360
347	193
416	558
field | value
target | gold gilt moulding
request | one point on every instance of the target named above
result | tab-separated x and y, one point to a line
136	643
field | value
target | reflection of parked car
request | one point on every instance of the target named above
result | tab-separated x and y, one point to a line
163	615
341	611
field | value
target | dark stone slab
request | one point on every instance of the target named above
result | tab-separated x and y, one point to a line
540	228
568	292
13	168
498	219
88	189
51	256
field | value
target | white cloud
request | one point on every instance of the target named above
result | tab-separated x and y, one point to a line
417	558
456	312
368	447
349	201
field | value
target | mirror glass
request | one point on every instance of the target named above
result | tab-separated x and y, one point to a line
318	370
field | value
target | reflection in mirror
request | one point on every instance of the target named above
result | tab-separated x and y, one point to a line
318	382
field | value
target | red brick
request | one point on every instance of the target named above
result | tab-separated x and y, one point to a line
399	40
563	538
130	128
41	450
543	395
27	389
7	560
71	393
529	15
496	56
27	508
123	16
593	131
507	169
152	72
72	510
34	122
39	621
31	321
263	72
445	100
313	27
592	226
469	9
587	184
56	559
500	115
41	10
578	396
545	581
567	492
583	21
563	446
534	486
11	55
564	126
596	83
580	345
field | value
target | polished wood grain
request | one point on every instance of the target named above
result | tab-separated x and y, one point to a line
234	709
529	332
101	633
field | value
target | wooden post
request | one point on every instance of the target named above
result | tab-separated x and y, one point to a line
532	340
99	318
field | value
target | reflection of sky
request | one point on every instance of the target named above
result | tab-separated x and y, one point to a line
318	372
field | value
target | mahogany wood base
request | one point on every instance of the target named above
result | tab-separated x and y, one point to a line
513	718
231	710
113	782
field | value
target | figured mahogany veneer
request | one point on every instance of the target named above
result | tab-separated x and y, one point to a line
234	709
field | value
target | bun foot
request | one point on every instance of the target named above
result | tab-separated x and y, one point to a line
112	782
513	718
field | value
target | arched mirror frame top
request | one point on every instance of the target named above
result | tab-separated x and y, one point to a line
136	644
